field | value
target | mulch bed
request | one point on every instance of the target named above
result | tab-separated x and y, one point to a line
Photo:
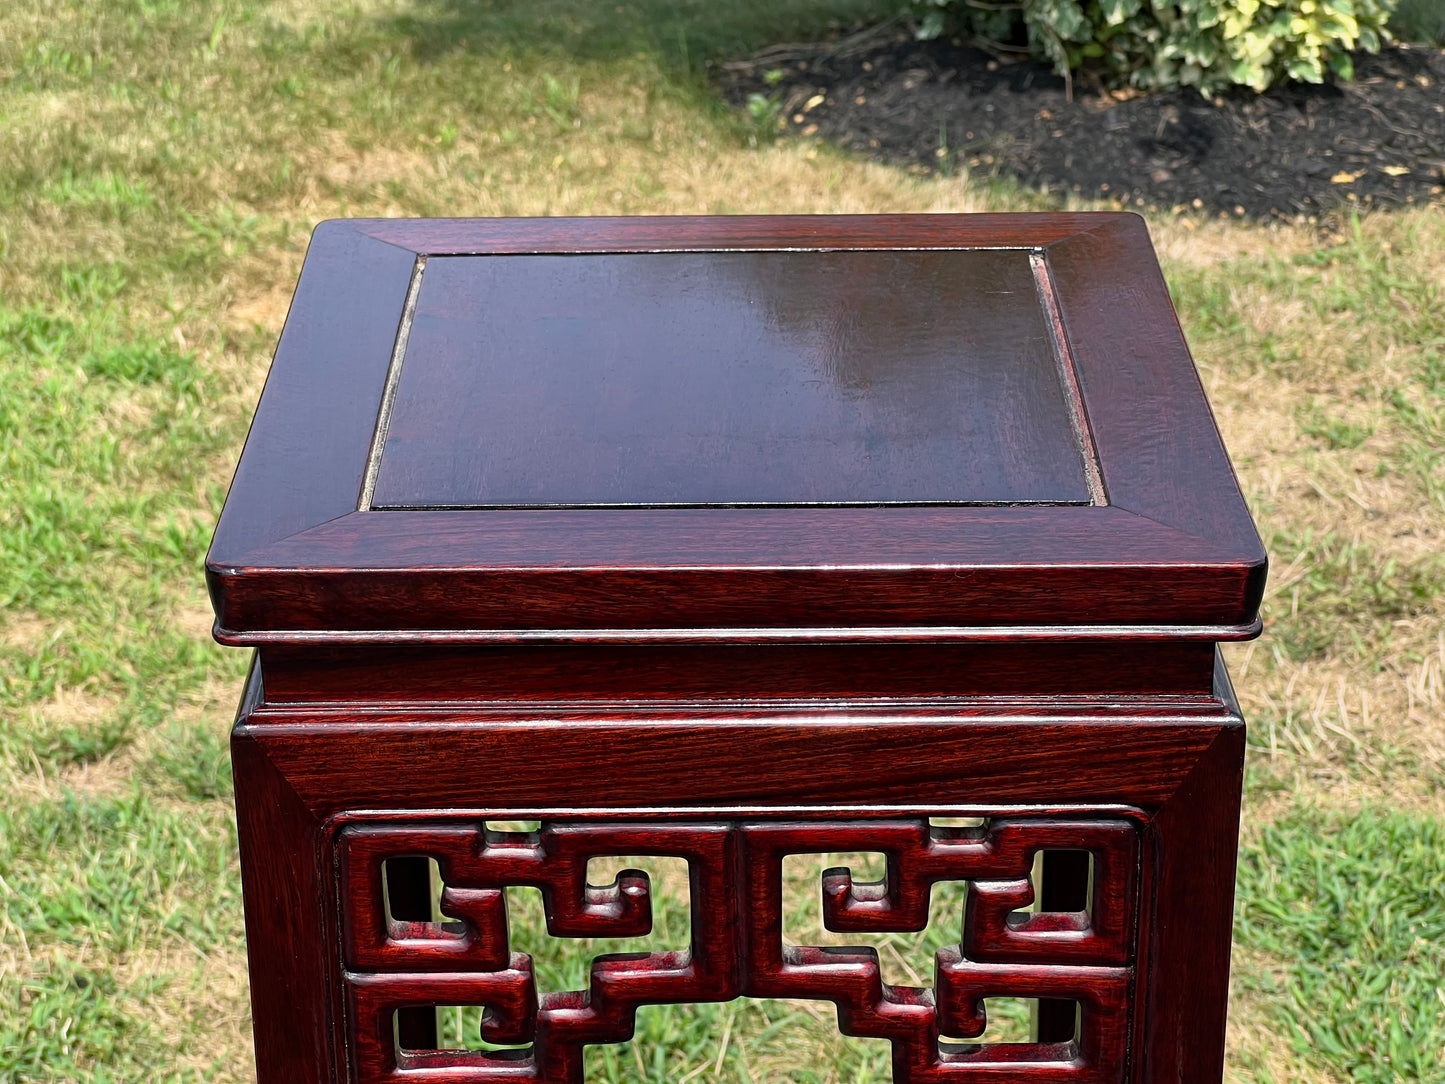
1294	152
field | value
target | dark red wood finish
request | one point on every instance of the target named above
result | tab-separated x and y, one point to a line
786	671
736	945
730	378
844	771
729	685
301	550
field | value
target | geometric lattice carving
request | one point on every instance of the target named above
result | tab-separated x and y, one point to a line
555	861
737	949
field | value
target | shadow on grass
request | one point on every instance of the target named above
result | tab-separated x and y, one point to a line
680	35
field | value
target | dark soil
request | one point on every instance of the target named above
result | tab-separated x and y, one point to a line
1293	152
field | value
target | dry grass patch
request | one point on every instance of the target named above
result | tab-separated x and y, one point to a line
264	312
206	1013
25	632
196	621
1317	355
72	729
77	745
1255	1052
1207	243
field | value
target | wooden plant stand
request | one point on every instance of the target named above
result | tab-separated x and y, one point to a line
723	540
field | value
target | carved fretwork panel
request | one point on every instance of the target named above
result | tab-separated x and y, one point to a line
737	947
474	966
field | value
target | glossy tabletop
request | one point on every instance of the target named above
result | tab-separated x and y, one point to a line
729	378
868	427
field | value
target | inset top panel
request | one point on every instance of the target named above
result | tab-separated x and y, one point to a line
729	378
733	429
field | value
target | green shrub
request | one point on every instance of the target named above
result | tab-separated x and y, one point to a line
1209	44
1419	20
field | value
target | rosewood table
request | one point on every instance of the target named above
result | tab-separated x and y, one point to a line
723	540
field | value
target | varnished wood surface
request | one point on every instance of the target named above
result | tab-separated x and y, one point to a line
306	451
736	902
759	671
576	570
756	667
747	764
1189	856
842	769
1170	766
1161	453
290	558
727	233
779	378
291	994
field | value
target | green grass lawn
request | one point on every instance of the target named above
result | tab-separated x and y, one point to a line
161	165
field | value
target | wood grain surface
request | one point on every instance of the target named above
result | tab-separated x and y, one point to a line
724	539
737	378
1165	538
348	673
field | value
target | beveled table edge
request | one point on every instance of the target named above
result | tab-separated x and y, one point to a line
860	635
1094	262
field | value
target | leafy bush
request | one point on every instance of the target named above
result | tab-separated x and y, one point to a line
1419	20
1209	44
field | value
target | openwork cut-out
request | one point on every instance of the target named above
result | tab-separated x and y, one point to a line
737	946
